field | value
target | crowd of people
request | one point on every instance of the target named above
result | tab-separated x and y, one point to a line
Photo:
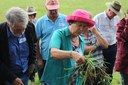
53	42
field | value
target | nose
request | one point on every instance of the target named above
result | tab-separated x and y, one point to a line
52	11
82	28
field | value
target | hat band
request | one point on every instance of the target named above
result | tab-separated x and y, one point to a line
115	8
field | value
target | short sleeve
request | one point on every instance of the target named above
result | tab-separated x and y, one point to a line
38	27
55	40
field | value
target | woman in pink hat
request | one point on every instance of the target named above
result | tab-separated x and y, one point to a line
66	49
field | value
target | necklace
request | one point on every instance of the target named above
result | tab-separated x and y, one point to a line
74	39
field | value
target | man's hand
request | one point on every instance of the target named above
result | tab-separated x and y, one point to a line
40	63
31	68
126	16
17	81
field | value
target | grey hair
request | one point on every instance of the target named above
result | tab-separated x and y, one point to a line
17	15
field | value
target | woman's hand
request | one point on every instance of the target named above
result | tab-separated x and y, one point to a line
78	57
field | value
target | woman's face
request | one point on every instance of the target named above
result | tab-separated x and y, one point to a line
78	28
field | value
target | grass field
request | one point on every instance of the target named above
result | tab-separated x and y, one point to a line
67	6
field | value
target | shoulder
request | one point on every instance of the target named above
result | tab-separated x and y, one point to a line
100	15
62	31
117	18
62	15
41	19
3	26
30	27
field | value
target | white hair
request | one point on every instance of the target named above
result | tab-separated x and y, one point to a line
17	15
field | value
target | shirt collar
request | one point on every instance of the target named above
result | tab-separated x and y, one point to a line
50	19
105	15
9	34
67	33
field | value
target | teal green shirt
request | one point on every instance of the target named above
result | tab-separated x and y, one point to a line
54	71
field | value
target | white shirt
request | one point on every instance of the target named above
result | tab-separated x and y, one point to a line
107	27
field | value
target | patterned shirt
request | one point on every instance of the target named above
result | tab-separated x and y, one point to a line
91	41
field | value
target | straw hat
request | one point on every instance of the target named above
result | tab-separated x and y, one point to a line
82	16
31	10
115	6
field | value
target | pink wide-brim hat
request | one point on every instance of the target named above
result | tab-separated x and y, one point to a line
81	16
52	4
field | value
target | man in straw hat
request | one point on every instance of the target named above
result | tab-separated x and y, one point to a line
106	24
45	27
31	14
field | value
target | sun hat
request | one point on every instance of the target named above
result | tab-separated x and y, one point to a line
82	16
31	10
115	6
52	4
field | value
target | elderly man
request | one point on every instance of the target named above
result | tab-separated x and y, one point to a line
106	24
17	48
45	27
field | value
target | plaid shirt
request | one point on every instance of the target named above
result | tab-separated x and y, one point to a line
91	41
122	46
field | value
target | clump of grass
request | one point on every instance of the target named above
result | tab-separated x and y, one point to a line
90	71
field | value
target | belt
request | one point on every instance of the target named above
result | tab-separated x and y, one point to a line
112	45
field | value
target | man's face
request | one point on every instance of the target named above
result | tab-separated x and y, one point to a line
111	14
32	17
17	29
52	14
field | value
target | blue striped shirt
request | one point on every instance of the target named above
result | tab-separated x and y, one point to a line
91	41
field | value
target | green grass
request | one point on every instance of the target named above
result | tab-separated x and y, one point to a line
116	79
67	6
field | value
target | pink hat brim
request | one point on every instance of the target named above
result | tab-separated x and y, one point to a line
89	22
52	7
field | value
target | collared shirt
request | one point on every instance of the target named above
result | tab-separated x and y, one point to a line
107	27
19	52
44	30
54	71
91	41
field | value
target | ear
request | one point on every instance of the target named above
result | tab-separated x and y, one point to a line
46	7
109	9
